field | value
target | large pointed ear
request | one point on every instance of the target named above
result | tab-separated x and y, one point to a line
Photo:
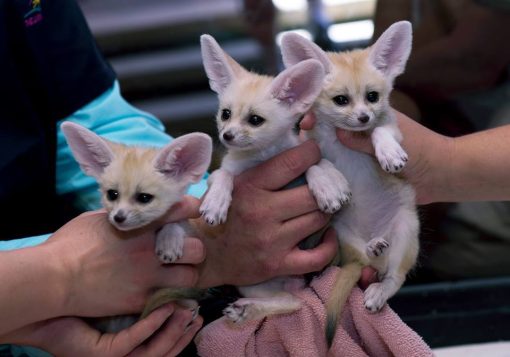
90	150
299	85
296	48
186	158
390	52
219	66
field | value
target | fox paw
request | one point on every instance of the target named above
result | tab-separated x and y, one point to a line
376	247
237	312
392	158
240	311
169	249
375	297
331	202
214	208
331	195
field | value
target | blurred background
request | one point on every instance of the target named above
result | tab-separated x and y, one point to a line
456	82
153	45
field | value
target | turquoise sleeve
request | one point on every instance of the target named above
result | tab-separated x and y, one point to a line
112	117
115	119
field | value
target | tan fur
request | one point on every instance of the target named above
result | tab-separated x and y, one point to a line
352	75
409	260
186	297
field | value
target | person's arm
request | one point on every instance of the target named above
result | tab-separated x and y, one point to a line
473	167
88	268
166	331
479	169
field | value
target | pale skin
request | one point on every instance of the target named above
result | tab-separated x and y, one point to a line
473	167
88	268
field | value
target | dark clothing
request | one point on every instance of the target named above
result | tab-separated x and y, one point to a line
50	67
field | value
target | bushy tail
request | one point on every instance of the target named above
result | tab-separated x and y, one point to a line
166	295
346	279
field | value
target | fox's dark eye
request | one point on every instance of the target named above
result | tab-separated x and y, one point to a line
144	197
372	97
341	100
112	195
256	120
225	114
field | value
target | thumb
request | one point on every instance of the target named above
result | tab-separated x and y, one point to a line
356	140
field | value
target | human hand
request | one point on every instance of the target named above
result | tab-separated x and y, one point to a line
260	239
428	154
109	272
164	332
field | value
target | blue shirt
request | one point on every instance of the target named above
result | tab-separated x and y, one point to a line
115	119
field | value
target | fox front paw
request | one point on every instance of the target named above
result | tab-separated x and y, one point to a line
168	248
392	158
213	214
331	194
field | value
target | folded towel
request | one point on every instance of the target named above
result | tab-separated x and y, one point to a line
301	333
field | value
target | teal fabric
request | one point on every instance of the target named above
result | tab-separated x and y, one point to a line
115	119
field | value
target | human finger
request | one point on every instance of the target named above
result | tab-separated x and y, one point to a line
305	261
355	141
168	335
308	121
176	276
131	338
185	340
368	276
295	229
184	209
283	168
293	202
193	252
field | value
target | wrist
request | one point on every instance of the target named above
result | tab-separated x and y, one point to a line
440	183
59	279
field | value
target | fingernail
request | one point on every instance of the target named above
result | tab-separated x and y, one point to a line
195	313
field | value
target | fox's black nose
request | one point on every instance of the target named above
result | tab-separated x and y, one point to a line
364	118
119	218
228	136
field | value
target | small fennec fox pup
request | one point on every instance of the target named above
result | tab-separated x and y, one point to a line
255	121
138	186
380	227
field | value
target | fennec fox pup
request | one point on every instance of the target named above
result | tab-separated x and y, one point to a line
256	118
138	185
380	227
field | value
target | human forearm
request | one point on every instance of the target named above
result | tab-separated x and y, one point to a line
479	169
474	167
31	288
